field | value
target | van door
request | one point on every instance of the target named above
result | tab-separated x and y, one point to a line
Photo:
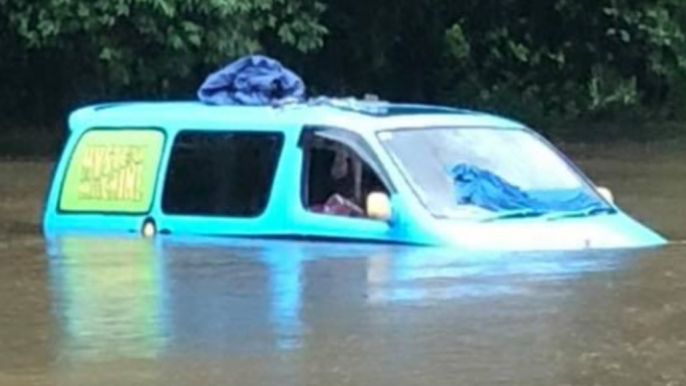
339	172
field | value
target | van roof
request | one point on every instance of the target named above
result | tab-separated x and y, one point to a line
346	113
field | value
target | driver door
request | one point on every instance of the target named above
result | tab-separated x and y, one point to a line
339	162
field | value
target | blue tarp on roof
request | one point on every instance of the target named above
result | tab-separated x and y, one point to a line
252	80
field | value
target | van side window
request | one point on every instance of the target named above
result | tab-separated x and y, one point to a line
112	171
333	171
222	173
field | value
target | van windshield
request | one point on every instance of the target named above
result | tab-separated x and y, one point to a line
479	172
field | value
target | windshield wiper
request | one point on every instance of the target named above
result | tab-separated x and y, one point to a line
518	213
584	213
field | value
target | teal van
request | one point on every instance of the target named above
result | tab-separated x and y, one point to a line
345	170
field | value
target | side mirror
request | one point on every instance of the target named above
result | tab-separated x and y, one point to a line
607	194
379	206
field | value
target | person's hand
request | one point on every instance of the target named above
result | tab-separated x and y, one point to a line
339	205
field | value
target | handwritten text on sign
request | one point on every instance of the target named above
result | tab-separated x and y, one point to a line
112	173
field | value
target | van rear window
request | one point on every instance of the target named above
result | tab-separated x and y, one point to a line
112	171
221	173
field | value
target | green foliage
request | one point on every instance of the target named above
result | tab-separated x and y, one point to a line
579	57
150	44
457	47
536	60
533	58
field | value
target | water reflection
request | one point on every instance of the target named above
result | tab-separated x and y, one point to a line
233	296
286	284
108	295
130	297
441	274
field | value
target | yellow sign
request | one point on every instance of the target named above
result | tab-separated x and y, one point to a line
113	171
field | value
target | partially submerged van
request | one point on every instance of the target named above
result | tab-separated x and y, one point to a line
364	171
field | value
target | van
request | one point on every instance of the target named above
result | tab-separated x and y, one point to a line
345	170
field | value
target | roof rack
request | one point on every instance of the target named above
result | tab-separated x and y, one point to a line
363	106
371	105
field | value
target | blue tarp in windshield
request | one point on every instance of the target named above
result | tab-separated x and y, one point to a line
252	80
476	186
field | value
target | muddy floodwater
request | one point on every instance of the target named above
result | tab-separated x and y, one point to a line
126	311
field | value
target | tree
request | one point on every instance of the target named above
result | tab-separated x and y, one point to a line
528	58
156	46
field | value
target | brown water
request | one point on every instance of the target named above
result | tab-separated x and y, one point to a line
78	311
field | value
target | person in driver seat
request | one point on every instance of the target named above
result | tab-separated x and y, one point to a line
343	186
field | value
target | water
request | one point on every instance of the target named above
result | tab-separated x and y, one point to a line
125	311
